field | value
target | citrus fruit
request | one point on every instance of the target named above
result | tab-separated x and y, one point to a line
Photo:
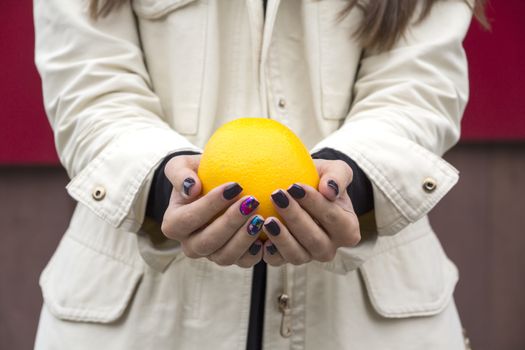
262	155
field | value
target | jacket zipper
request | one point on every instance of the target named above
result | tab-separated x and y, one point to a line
284	306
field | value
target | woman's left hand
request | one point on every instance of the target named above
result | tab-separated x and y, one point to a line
316	222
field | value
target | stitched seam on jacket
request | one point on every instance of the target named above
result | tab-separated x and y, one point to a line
80	182
88	312
427	203
85	312
399	244
386	187
421	309
403	311
127	199
124	205
104	251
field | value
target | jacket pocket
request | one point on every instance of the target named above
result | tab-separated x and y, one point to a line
338	51
81	284
174	39
413	279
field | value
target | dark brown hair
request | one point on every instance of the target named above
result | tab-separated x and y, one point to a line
384	21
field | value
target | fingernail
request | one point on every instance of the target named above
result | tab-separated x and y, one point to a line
271	249
231	191
255	225
187	184
273	227
296	191
248	205
254	248
334	186
280	199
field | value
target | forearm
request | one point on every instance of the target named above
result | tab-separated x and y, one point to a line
108	123
408	104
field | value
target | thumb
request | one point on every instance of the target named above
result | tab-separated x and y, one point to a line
334	177
181	171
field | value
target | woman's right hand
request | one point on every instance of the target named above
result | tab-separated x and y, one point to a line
218	225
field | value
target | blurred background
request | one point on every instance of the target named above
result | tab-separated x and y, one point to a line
481	222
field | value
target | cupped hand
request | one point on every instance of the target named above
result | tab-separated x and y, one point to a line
219	225
316	221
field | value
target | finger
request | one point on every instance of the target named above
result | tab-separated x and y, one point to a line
223	228
252	256
283	241
303	228
271	254
240	242
340	223
180	221
181	171
334	177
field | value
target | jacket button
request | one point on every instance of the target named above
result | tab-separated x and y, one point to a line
99	193
429	185
282	103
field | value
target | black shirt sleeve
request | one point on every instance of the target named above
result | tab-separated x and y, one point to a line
360	190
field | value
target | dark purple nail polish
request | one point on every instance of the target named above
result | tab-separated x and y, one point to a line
254	248
280	199
296	191
187	184
273	227
334	186
231	191
255	225
248	205
271	249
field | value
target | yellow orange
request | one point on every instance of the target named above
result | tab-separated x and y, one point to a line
260	154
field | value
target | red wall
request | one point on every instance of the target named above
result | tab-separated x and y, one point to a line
496	110
25	135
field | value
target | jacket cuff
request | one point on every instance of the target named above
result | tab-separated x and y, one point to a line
115	184
360	190
407	179
160	190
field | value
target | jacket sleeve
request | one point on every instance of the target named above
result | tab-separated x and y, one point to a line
408	103
108	124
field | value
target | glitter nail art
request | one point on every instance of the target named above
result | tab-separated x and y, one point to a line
255	225
248	205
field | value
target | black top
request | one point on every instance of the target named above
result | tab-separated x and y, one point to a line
256	322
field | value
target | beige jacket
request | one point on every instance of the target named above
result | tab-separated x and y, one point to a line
158	76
